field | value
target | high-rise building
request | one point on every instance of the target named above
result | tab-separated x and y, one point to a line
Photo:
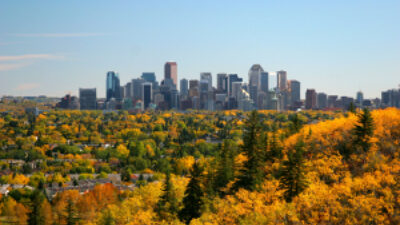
150	77
171	72
128	90
332	101
281	80
147	94
294	89
113	86
264	84
184	87
311	99
255	75
359	98
137	89
322	101
391	98
232	78
207	76
194	88
222	83
204	85
87	98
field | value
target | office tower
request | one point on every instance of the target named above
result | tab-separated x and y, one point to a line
236	89
322	101
171	72
137	88
254	75
147	93
184	87
294	89
222	83
346	101
208	77
204	93
311	99
174	102
112	86
332	101
151	78
87	98
128	90
360	98
264	84
232	78
194	88
281	80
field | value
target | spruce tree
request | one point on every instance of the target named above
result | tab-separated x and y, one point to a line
167	206
292	177
363	130
225	166
192	202
252	174
71	213
36	216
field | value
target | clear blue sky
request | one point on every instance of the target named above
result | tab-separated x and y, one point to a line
338	47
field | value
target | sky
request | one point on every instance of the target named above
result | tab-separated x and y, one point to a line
337	47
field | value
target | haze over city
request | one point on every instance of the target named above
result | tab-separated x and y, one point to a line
53	48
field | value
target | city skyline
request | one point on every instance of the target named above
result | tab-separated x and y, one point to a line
339	47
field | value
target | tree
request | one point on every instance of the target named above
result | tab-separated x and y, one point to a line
252	174
41	210
71	213
296	123
292	177
167	206
225	165
192	202
363	130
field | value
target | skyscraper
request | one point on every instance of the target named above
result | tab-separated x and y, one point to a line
232	78
147	93
184	87
264	84
359	98
255	75
113	86
311	99
87	98
208	77
294	89
171	72
222	83
281	79
137	88
322	100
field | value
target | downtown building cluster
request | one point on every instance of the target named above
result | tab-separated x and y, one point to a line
264	90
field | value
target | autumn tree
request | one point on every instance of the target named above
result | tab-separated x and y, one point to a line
192	202
292	177
252	174
71	213
41	213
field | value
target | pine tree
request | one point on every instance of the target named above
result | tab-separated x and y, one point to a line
71	213
225	166
296	123
252	174
167	206
292	177
363	130
192	202
352	108
36	216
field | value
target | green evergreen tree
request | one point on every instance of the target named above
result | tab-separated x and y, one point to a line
363	130
36	216
352	108
167	206
296	123
192	202
252	174
292	177
225	166
71	213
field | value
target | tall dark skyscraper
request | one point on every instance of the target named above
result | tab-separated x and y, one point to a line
147	94
222	82
264	84
87	98
171	72
322	100
281	80
113	86
137	88
294	89
232	78
184	87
